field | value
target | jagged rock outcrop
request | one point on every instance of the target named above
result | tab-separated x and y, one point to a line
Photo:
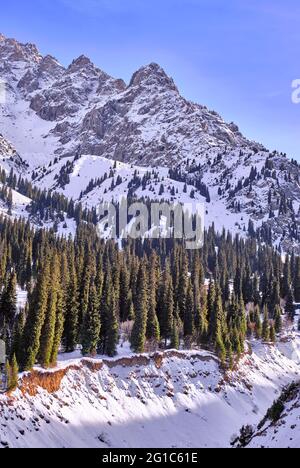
9	156
147	121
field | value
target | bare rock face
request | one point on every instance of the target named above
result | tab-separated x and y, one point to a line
147	121
6	148
152	75
46	72
74	90
9	156
151	123
14	51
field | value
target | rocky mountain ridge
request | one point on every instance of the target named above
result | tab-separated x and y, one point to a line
67	124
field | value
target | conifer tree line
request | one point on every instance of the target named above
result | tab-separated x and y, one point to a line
81	290
45	205
53	206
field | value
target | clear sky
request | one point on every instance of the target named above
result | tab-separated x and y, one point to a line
238	57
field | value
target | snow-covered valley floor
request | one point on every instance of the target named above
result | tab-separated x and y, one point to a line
175	399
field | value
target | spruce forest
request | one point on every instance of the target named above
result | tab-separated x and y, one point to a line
86	292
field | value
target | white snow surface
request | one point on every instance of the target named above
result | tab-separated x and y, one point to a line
182	400
21	298
284	433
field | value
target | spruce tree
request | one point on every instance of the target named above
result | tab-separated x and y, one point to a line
12	371
287	278
175	341
188	322
167	304
236	342
18	330
48	329
258	324
217	326
211	302
297	280
182	286
278	320
71	330
220	348
36	318
153	330
8	303
272	334
91	324
112	328
289	306
266	326
59	326
138	335
275	298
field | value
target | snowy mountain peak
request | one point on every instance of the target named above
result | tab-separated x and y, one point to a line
50	62
45	72
15	51
151	75
81	62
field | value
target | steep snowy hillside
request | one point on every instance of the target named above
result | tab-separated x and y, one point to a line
19	204
280	428
175	399
9	157
65	126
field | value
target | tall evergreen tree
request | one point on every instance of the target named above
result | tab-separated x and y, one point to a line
8	303
287	278
91	324
258	324
138	336
278	319
289	306
188	322
266	325
153	330
36	318
112	328
48	329
71	329
297	280
175	340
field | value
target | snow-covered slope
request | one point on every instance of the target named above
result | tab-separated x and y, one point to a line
281	427
175	399
68	124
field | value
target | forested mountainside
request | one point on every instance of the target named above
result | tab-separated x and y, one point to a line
91	137
81	292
